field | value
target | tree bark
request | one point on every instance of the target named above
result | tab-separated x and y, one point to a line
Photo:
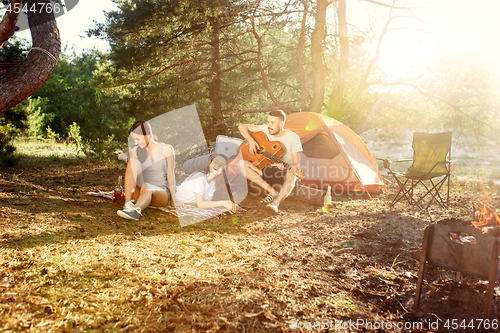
215	84
338	91
285	108
8	24
20	82
363	84
318	69
300	57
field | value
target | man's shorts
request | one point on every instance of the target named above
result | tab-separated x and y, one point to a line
273	176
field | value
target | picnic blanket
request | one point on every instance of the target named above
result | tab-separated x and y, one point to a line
187	216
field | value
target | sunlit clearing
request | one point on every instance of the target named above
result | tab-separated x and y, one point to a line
450	28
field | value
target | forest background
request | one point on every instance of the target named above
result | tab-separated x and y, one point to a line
236	60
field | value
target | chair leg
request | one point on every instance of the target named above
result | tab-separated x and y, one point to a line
448	193
435	189
411	196
402	190
407	193
438	187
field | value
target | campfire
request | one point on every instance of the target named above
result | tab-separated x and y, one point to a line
485	218
465	247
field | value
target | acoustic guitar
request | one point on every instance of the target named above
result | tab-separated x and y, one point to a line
268	151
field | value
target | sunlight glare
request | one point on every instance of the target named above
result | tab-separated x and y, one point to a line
451	27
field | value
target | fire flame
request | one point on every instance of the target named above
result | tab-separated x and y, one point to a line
485	216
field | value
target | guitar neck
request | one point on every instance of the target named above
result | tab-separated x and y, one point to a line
275	159
295	171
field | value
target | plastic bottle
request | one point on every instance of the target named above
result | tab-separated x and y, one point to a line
327	200
118	191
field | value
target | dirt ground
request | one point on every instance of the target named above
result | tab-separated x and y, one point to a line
68	263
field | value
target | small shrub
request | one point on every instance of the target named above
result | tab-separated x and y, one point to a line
75	138
12	123
35	117
51	135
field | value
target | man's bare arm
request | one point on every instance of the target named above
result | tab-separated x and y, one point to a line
296	159
245	130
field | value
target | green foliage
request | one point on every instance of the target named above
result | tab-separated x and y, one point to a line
51	135
35	122
15	51
164	55
11	123
77	110
75	138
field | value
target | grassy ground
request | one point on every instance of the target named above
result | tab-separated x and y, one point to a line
68	263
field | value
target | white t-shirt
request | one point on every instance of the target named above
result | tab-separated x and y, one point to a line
196	183
291	142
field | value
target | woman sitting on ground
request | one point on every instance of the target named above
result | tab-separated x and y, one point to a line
198	189
149	178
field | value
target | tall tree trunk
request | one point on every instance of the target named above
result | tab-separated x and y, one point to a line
364	81
300	57
215	84
8	24
20	82
338	91
285	108
318	69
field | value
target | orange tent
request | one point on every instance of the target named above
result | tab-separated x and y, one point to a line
334	155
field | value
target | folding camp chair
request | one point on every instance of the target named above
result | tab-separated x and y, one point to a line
431	159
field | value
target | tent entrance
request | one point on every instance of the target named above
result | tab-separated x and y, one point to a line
320	146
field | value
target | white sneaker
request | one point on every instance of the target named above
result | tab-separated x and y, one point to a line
273	207
129	205
130	211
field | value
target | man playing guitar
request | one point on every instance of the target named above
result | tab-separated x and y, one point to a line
291	142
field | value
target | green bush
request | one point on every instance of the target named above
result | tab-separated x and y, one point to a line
35	122
11	124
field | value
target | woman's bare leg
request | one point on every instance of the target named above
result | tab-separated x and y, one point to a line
151	197
131	174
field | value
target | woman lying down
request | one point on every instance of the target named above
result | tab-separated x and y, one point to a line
198	189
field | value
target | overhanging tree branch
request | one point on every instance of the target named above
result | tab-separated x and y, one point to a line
20	82
8	24
247	112
384	4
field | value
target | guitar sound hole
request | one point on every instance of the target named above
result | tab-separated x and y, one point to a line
274	146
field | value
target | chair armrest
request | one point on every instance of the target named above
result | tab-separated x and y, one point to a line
387	162
405	160
437	163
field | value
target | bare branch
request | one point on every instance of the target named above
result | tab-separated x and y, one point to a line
385	5
8	24
247	112
263	73
439	98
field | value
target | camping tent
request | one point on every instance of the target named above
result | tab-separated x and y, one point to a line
334	155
